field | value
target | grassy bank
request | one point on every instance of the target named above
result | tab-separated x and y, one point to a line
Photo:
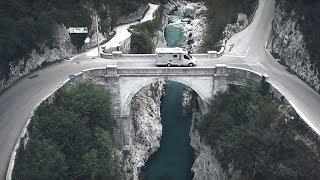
260	136
70	137
219	14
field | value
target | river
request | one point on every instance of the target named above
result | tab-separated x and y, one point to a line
174	158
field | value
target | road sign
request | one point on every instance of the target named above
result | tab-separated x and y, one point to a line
72	77
78	30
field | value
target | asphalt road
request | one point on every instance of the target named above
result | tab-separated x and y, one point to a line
19	101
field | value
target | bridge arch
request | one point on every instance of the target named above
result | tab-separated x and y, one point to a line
127	96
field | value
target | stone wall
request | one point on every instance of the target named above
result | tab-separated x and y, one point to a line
124	46
288	42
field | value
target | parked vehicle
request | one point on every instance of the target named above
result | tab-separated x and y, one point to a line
174	57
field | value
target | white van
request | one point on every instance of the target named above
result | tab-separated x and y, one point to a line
173	57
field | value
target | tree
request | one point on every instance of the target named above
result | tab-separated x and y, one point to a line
44	161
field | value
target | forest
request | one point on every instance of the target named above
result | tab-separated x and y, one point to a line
70	137
26	25
260	136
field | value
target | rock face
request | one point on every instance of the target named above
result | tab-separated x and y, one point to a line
159	39
241	23
206	166
63	48
289	43
145	128
191	19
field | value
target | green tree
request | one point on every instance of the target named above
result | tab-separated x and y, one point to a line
44	161
141	43
78	121
253	132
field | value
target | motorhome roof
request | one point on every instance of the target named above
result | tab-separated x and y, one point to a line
170	50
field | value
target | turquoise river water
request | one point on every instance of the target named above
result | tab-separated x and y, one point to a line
174	35
174	158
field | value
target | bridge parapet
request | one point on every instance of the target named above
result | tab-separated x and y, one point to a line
113	70
239	76
175	71
120	56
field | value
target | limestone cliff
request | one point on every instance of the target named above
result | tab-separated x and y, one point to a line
145	128
288	42
206	166
62	48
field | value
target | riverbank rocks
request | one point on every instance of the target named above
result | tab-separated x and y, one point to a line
191	19
145	129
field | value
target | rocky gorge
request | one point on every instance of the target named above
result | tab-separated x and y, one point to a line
146	131
206	166
145	128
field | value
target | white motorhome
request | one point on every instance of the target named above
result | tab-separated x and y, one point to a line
173	57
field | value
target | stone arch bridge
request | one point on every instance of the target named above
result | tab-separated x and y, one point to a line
124	83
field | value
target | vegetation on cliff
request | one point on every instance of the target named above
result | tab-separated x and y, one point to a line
28	25
219	14
260	136
70	137
307	13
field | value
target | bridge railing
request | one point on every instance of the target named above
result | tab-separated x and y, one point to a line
152	71
120	56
